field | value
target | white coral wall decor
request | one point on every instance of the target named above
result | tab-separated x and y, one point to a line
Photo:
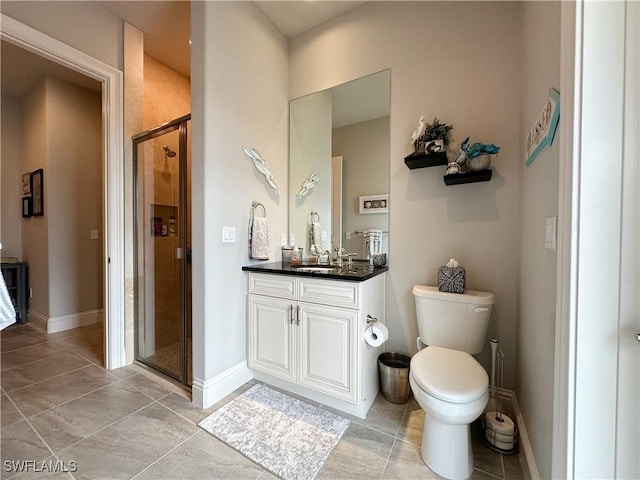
261	166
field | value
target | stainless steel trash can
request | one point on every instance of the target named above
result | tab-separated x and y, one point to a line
393	369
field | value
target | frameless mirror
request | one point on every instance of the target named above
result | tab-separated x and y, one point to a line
339	165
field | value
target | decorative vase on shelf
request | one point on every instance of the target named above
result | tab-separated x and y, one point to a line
481	162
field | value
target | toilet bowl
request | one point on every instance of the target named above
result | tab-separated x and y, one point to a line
453	389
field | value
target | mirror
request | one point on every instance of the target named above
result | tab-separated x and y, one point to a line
339	153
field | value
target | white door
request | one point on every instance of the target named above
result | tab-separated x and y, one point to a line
628	401
328	350
602	356
271	340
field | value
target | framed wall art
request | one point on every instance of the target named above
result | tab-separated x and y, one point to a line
374	204
26	184
544	128
37	192
26	206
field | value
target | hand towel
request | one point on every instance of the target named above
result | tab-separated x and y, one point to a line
7	312
315	235
259	238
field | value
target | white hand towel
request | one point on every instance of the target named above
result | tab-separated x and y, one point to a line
260	238
315	235
7	313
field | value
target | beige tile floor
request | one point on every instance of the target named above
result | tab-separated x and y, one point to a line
58	404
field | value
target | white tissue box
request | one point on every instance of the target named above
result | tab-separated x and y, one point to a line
451	279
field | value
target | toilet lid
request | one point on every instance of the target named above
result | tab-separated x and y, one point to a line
449	375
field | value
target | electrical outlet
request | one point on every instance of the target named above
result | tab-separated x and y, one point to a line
94	234
325	236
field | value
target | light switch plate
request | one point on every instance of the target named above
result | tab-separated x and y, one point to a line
228	234
94	234
325	236
550	233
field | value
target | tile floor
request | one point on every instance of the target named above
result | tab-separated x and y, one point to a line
61	408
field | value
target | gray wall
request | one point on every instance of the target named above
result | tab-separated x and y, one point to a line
310	152
35	155
539	200
365	150
11	188
74	198
61	127
459	61
239	92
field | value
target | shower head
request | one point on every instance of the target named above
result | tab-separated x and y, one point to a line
168	152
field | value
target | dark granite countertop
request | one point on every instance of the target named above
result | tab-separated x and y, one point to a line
359	271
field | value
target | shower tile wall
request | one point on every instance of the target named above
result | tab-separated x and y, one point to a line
167	94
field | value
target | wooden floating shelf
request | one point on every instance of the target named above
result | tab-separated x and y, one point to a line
421	160
468	177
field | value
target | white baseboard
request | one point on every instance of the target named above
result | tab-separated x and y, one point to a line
65	322
522	433
207	392
38	320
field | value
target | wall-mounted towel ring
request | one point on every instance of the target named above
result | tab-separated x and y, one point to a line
255	205
308	185
261	166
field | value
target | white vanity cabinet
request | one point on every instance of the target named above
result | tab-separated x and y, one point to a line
305	335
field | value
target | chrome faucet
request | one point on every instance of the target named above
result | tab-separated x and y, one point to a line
328	254
341	254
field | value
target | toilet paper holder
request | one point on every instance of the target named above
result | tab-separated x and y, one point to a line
370	321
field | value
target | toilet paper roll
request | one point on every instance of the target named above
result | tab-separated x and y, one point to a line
500	434
376	334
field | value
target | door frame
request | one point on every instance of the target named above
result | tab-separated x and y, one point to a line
45	46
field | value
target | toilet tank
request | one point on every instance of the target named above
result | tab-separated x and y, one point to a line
453	320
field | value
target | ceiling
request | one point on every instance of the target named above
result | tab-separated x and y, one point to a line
166	27
22	70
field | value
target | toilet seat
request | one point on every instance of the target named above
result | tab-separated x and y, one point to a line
449	375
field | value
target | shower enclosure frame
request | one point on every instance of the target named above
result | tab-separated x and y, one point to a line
183	251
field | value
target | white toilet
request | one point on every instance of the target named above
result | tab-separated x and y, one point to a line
447	382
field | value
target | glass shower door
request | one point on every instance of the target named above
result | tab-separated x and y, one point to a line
163	293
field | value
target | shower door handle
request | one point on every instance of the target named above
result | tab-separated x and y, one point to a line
188	255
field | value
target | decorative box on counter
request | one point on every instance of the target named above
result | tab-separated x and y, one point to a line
451	277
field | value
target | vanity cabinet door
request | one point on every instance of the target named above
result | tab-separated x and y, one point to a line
271	336
328	353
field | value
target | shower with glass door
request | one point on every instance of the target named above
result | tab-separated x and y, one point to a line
162	229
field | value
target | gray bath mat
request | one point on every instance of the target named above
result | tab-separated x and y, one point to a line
286	436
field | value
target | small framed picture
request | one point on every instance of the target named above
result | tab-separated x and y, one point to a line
374	204
26	206
37	192
26	184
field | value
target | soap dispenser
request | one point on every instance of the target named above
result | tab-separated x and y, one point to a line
295	256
